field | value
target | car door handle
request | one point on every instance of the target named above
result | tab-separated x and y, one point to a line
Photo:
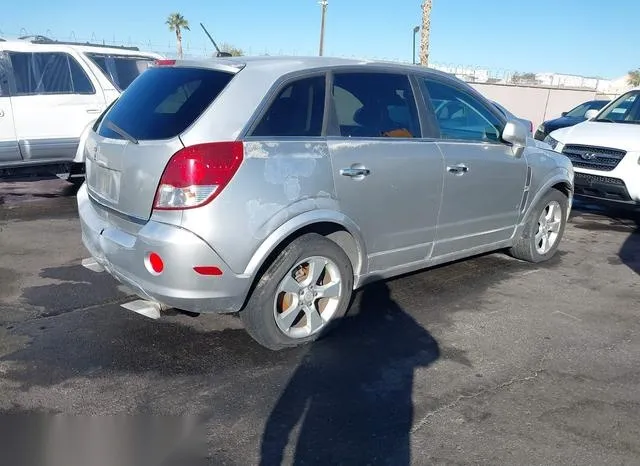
459	169
354	172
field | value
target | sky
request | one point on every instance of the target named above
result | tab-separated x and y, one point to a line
560	36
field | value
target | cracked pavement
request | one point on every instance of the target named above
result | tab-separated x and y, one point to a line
485	361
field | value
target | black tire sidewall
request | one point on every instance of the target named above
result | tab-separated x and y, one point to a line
258	315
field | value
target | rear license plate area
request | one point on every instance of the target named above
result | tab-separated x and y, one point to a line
103	181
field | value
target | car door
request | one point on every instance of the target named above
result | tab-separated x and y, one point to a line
53	101
9	151
484	182
388	178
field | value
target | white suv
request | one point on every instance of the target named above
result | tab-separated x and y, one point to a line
605	151
50	92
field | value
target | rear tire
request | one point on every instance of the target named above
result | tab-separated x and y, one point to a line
302	294
543	231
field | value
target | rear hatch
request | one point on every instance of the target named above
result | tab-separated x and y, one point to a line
126	156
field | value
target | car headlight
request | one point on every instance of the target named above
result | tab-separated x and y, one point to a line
552	142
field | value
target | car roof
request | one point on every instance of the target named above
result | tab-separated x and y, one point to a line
24	45
282	65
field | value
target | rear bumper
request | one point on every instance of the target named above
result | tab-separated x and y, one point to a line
124	256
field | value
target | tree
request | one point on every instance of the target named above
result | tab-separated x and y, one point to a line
634	78
426	30
528	78
234	51
177	23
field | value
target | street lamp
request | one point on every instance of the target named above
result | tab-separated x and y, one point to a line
323	4
415	32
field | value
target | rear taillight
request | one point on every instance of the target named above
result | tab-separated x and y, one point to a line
195	175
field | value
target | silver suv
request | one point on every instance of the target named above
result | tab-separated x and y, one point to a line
274	187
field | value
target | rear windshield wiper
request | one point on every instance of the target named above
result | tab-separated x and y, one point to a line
112	126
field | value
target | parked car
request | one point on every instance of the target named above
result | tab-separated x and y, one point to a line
605	151
50	92
510	116
570	118
274	187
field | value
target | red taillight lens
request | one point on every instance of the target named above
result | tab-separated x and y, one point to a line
195	175
165	62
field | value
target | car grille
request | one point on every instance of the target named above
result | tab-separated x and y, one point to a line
598	179
594	158
601	187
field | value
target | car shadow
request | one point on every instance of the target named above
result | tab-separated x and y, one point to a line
350	399
616	219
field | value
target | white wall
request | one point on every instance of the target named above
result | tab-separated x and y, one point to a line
537	104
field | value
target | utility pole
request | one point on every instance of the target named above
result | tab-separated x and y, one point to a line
323	4
426	29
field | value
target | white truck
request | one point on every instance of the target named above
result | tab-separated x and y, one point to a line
50	92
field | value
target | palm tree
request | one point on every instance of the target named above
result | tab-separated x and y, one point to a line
177	23
426	31
634	78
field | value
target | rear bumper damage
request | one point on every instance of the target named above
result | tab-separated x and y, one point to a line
126	257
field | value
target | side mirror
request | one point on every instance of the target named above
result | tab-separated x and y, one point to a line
564	113
591	114
515	134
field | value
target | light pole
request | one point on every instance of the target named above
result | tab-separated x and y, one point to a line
415	32
323	4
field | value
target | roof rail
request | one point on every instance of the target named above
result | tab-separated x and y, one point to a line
45	40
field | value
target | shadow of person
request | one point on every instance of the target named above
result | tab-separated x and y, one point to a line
352	393
618	219
629	252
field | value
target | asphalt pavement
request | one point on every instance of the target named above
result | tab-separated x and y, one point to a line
485	361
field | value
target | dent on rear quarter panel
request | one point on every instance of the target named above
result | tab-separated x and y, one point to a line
276	182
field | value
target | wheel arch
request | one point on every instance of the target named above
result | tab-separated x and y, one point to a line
558	179
332	225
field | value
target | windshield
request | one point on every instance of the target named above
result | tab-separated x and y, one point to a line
121	69
625	109
581	109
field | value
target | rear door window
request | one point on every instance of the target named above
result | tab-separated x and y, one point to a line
164	102
48	73
375	105
121	69
298	110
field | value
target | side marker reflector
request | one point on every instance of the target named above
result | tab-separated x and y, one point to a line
208	270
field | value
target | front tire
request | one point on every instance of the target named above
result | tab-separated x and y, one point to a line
544	229
301	295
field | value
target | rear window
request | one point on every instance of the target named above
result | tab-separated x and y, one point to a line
121	69
163	102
